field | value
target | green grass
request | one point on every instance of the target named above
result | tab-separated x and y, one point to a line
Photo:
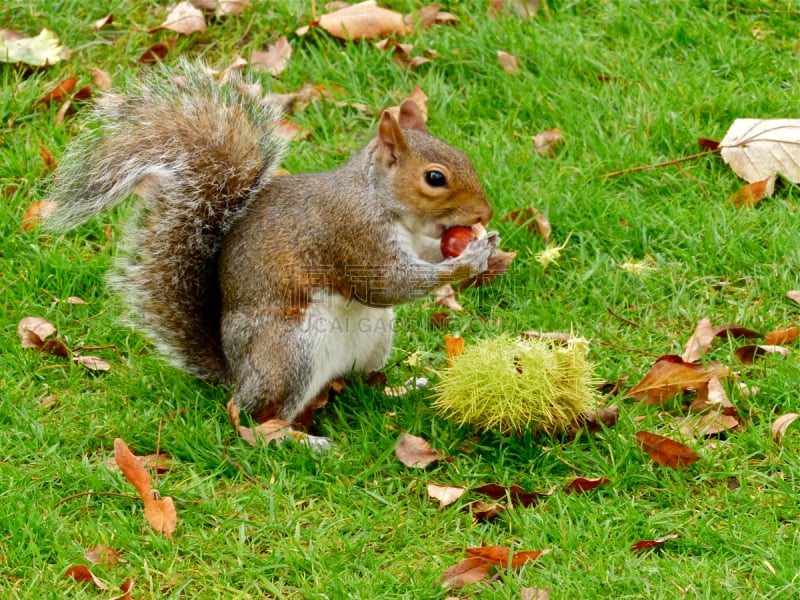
628	83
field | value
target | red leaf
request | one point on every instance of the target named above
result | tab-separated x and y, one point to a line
666	452
670	376
644	544
581	484
516	494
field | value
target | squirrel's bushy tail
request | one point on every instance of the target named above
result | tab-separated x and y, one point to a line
196	153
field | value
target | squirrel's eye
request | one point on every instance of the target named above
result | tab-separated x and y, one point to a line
435	178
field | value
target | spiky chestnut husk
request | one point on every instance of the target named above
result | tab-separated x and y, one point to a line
510	385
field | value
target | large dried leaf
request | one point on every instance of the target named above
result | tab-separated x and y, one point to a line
781	424
670	376
42	50
700	341
753	193
582	484
644	544
502	557
782	337
34	331
748	354
274	59
415	452
469	570
793	295
185	19
666	452
732	330
362	20
759	149
713	395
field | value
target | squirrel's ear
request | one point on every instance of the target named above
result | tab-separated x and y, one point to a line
411	116
391	141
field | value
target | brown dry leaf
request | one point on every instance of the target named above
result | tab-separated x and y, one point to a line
34	331
410	63
500	555
748	354
184	19
582	484
532	593
666	452
160	513
782	337
234	413
47	156
102	555
100	23
530	218
274	59
101	78
510	64
753	193
499	263
793	295
732	330
157	52
453	347
62	113
446	296
713	395
781	424
445	494
365	20
126	588
469	570
429	15
525	9
415	452
75	300
93	363
231	7
710	424
483	512
547	142
266	432
608	416
644	544
48	401
515	494
83	573
292	131
439	320
59	92
700	341
670	376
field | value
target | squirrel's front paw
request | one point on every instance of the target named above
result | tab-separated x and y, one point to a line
475	258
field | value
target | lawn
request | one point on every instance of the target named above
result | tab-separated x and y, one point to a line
646	255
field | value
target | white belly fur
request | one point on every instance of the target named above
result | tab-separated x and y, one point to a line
345	336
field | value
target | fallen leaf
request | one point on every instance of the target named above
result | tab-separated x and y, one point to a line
753	193
499	263
500	556
781	424
644	544
522	8
547	142
709	424
782	337
102	555
364	20
700	342
75	300
234	413
415	452
483	512
510	65
445	494
157	52
759	149
419	97
47	156
269	431
713	395
732	330
36	212
292	131
83	573
453	347
516	495
532	593
274	59
793	295
748	354
92	363
533	220
43	50
607	416
101	78
582	484
126	588
48	401
670	376
469	570
666	452
58	92
100	23
33	331
185	19
446	296
225	8
429	15
440	320
160	513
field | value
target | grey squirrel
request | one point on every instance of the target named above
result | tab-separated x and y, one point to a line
277	285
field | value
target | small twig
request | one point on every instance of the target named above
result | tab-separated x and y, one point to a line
621	318
697	181
626	349
662	164
93	493
239	468
93	348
